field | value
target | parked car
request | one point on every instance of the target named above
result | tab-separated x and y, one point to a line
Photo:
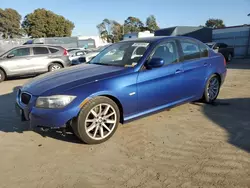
84	58
73	49
93	98
32	59
227	52
90	54
75	54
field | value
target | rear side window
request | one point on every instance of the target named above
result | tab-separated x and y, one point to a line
190	50
204	50
53	50
40	50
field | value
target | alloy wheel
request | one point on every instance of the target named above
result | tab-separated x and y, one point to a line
213	88
100	121
55	67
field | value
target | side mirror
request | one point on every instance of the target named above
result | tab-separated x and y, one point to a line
10	55
155	63
216	48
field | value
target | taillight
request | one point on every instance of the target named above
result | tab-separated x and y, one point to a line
225	62
65	52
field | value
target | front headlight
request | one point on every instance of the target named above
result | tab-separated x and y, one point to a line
56	101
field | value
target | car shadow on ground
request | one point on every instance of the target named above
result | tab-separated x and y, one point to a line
10	121
233	115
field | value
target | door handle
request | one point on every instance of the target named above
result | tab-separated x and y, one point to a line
205	64
178	71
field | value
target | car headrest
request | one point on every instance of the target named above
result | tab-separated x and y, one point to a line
140	51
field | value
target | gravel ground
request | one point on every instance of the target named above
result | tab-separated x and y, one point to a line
192	145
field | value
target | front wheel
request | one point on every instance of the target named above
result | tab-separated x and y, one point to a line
97	121
212	89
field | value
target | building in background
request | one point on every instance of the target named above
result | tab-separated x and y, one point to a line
137	35
90	42
203	34
235	36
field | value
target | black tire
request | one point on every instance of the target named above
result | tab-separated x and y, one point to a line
55	66
229	57
206	97
2	76
78	124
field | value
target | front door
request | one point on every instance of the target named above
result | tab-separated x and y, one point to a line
18	61
161	86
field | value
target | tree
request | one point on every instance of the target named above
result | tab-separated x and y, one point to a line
110	30
133	24
117	31
151	23
10	21
215	23
45	23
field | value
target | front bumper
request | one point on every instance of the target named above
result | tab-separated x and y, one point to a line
39	117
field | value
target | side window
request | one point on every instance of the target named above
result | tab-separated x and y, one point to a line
20	52
53	50
167	51
204	50
40	50
190	50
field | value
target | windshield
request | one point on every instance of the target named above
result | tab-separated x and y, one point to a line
121	54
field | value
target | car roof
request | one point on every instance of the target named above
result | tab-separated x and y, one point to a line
38	45
155	39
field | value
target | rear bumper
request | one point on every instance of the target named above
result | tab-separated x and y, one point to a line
223	77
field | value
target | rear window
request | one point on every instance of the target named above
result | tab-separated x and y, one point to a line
53	50
40	50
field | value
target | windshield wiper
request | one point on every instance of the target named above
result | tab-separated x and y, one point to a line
107	64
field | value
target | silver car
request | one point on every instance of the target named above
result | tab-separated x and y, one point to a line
32	59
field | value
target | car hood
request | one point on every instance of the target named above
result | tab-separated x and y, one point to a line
65	79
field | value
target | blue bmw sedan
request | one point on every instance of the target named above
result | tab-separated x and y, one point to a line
126	80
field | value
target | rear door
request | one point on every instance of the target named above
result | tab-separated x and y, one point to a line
161	86
40	59
195	65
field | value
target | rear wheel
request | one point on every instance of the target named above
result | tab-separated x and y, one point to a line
2	76
212	89
97	121
54	67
